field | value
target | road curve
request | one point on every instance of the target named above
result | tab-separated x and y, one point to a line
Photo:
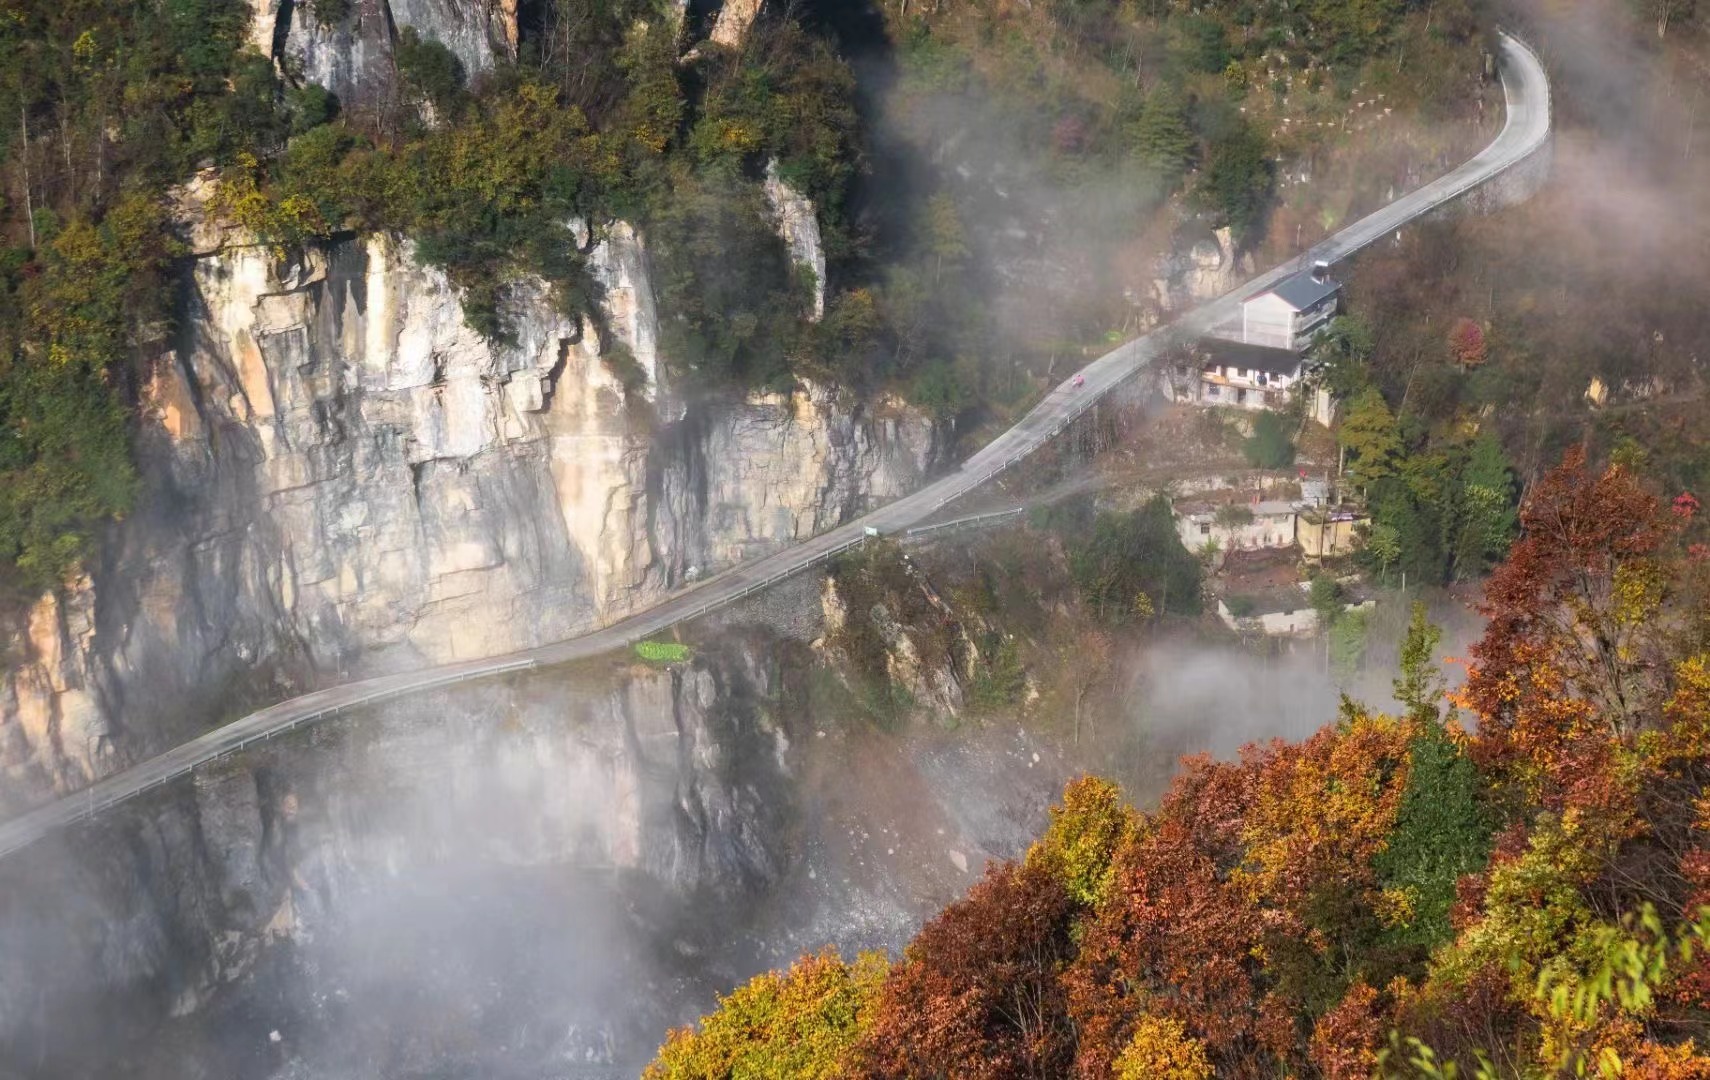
1525	130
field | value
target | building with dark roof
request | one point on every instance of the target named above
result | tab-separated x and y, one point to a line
1291	314
1252	376
1261	365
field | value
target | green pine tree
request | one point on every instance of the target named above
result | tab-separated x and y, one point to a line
1487	520
1162	138
1420	683
1372	438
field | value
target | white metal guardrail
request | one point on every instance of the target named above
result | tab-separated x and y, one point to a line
973	521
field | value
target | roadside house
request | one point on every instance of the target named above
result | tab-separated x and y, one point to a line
1283	612
1236	526
1297	310
1262	363
1329	532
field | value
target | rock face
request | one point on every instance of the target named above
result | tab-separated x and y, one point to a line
54	731
673	778
525	877
798	225
734	19
351	55
1200	270
342	476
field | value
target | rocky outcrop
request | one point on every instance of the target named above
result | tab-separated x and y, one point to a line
669	777
1201	267
883	618
522	877
55	735
351	54
798	225
342	476
735	18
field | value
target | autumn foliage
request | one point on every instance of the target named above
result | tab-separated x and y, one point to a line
1520	888
801	1023
1467	343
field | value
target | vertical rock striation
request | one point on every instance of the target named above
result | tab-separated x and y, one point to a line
670	786
352	55
341	475
735	17
798	225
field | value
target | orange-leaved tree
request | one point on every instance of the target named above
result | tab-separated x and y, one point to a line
1573	657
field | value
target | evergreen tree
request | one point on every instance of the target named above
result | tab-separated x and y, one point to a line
1441	832
1372	439
1420	683
1343	355
1238	180
1162	138
1487	518
1134	553
1418	529
1269	447
946	238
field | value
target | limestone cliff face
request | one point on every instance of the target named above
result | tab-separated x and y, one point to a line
669	786
734	19
511	877
352	55
342	476
1199	269
798	224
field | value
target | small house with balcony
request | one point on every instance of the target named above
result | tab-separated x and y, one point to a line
1248	376
1260	362
1293	312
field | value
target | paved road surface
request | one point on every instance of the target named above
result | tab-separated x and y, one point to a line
1525	129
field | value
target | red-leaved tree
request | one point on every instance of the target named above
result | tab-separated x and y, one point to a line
1570	657
978	994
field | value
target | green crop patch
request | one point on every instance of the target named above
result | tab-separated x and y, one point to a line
663	652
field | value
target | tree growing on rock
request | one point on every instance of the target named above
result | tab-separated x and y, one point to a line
1570	653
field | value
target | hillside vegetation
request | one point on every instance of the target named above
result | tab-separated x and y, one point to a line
117	103
1078	142
1516	886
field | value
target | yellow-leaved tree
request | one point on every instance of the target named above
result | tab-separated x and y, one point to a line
798	1024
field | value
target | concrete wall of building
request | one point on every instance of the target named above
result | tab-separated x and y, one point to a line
1268	529
1322	539
1267	320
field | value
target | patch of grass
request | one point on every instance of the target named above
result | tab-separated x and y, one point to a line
663	652
1001	678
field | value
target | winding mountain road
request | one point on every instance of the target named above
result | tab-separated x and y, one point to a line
1525	131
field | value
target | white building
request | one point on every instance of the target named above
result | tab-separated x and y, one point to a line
1262	364
1237	526
1282	612
1290	315
1248	376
